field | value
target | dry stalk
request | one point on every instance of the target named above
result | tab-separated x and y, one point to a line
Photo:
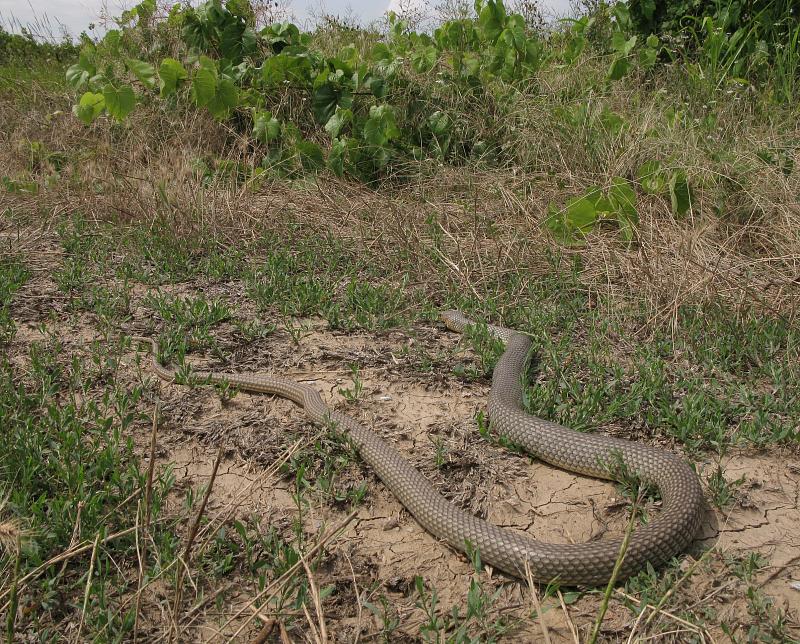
187	553
323	631
64	556
88	587
537	606
570	623
623	549
285	577
148	496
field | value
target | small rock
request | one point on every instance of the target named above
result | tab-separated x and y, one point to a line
795	585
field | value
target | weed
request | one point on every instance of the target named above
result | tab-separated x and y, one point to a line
723	492
487	348
12	277
189	320
629	482
69	466
323	469
745	567
448	145
352	394
477	624
388	618
253	330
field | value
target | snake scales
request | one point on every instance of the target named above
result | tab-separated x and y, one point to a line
587	564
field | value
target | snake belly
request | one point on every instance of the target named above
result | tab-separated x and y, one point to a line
515	553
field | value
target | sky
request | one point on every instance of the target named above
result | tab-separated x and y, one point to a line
75	15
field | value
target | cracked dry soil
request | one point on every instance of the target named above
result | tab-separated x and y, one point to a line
414	411
429	416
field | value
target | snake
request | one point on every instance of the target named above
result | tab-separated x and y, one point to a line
513	552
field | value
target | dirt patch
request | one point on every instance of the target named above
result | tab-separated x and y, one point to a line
428	414
416	412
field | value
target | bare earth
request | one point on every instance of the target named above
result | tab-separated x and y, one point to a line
383	549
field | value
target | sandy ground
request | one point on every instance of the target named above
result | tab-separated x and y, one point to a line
421	412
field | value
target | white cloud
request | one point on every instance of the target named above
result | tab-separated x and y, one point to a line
74	16
398	5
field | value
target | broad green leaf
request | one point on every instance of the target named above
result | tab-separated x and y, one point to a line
89	107
112	39
440	123
680	193
627	228
380	127
491	20
286	67
622	15
225	99
533	55
648	57
170	73
613	123
375	85
336	122
80	73
574	48
514	33
653	42
119	102
382	52
204	86
311	156
144	72
236	41
266	127
373	132
619	67
651	178
323	102
598	199
580	214
349	53
622	45
423	59
207	63
559	229
336	157
623	198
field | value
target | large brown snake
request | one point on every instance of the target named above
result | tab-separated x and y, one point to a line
587	564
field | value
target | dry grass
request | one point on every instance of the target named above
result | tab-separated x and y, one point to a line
740	243
471	229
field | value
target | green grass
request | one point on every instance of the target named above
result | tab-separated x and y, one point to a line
480	622
70	475
715	381
715	375
13	276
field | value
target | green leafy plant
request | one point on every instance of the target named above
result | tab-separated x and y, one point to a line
234	72
654	179
616	204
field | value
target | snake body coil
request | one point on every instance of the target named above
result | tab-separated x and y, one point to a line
587	564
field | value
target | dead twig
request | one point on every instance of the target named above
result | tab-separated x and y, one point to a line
187	553
286	576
